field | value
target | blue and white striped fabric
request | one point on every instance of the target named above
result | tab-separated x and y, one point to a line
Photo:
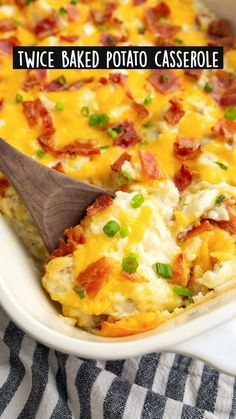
37	382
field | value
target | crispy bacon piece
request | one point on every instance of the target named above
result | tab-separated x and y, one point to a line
150	165
36	78
22	3
165	81
123	80
100	204
1	104
3	185
6	45
227	42
187	148
85	148
179	276
7	25
35	113
205	225
175	112
47	27
93	277
230	225
127	136
59	167
73	237
229	96
72	12
225	130
109	40
195	73
152	16
57	86
183	178
117	165
138	2
103	17
221	82
69	38
219	28
141	110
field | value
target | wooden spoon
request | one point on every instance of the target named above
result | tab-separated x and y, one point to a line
55	201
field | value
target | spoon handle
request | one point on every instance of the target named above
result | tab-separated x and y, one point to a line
55	201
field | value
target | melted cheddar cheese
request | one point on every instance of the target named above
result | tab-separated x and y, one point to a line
188	228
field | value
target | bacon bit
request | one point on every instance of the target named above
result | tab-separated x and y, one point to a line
196	74
221	82
110	40
150	165
183	178
140	109
128	136
57	86
7	25
187	148
152	17
225	130
77	148
35	79
115	77
69	38
35	111
59	167
205	225
117	165
72	12
227	42
100	204
6	45
74	236
3	185
229	226
123	80
175	112
47	27
179	276
93	277
138	2
99	17
219	28
229	96
1	104
103	80
157	79
22	3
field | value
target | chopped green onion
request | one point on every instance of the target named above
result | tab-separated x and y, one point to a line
80	291
124	232
62	11
19	98
124	177
162	19
111	228
164	270
164	78
182	291
60	106
148	100
148	125
40	153
137	200
98	120
112	132
74	2
221	165
144	142
61	79
178	41
130	264
104	147
208	87
27	2
220	199
85	111
230	113
141	30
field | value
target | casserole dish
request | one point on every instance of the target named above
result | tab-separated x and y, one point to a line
33	310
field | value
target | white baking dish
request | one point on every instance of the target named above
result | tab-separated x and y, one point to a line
27	304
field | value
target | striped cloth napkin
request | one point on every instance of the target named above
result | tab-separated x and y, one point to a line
37	382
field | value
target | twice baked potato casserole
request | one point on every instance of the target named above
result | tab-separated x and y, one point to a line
164	141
